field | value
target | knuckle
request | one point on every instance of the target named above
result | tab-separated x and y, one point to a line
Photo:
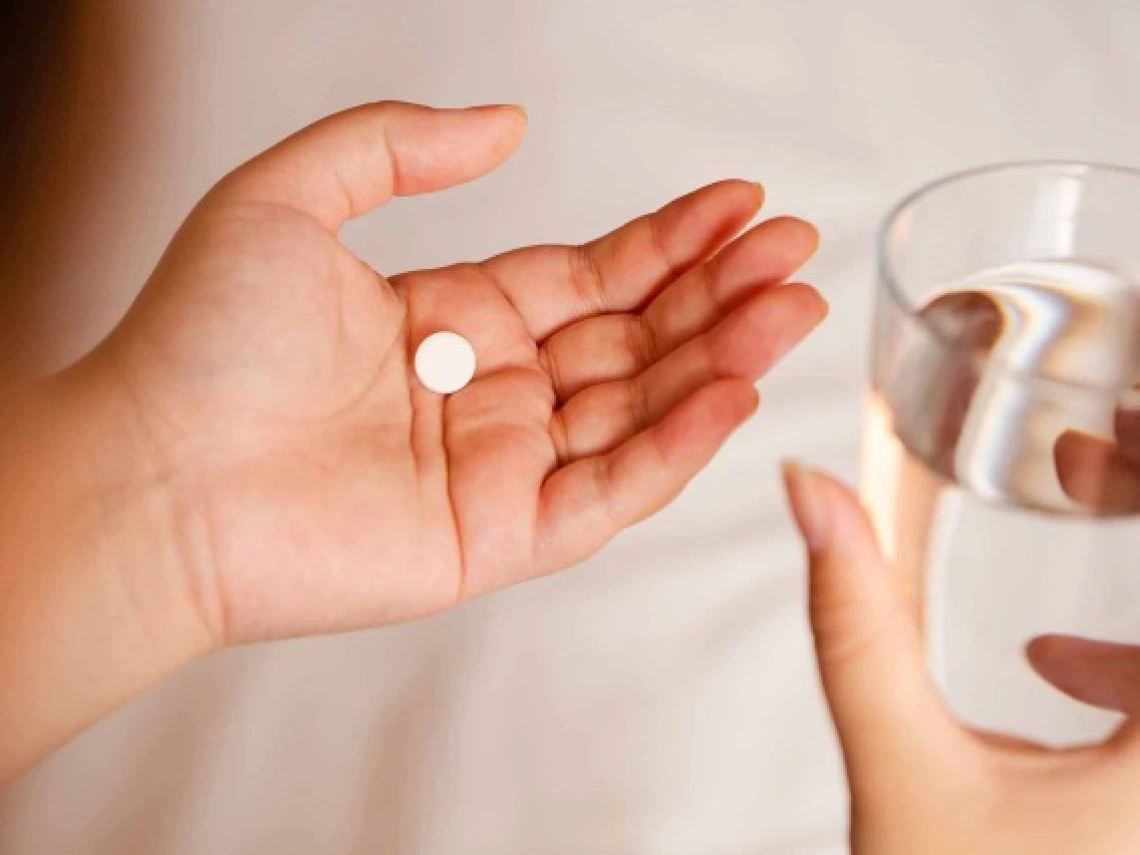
657	243
586	278
641	341
637	403
841	632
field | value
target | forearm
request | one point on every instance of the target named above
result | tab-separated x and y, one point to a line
92	606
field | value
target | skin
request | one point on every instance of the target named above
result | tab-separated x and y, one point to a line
248	456
1104	476
919	781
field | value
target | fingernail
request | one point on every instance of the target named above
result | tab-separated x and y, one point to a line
808	508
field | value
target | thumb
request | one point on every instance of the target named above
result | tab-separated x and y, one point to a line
354	161
887	712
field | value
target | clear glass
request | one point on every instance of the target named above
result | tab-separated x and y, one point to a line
1001	426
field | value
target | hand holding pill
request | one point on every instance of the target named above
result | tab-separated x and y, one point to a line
401	444
278	440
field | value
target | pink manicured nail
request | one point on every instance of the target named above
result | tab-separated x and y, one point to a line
808	509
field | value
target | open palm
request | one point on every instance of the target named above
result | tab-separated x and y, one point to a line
318	486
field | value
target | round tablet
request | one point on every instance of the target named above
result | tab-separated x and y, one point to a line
445	362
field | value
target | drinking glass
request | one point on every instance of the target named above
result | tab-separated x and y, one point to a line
1001	448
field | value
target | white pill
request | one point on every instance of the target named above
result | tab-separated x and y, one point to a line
445	362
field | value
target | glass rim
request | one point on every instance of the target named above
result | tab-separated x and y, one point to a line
890	283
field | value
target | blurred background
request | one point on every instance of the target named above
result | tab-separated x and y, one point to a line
661	699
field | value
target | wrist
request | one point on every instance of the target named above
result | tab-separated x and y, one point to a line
95	604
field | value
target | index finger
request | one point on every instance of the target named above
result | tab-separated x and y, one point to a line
551	287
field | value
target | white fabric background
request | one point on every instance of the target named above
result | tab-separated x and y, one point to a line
661	699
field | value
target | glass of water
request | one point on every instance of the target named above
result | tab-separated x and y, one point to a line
1001	459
